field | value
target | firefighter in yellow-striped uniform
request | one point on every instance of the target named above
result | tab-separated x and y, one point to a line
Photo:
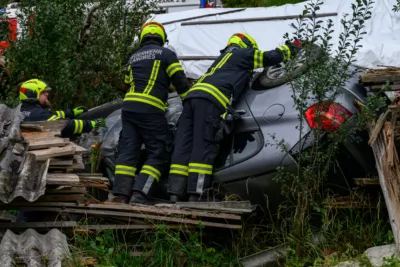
150	71
33	95
206	105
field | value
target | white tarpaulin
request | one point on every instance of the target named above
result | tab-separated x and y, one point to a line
380	45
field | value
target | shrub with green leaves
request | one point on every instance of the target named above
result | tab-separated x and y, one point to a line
85	71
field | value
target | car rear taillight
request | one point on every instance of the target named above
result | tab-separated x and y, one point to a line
326	116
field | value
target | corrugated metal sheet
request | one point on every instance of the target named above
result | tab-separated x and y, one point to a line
20	175
32	248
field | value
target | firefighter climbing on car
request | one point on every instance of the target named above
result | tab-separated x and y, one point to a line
206	104
150	71
34	96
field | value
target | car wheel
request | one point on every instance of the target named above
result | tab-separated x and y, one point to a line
276	75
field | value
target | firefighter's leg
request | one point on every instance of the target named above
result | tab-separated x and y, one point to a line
205	148
129	146
157	139
180	157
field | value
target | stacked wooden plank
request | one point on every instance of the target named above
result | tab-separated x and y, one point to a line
65	179
378	78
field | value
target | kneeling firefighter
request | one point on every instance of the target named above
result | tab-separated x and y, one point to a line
151	69
34	94
207	103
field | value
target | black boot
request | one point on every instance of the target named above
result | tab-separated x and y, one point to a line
174	198
138	198
195	198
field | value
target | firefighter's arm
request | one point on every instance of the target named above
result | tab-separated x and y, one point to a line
74	127
64	114
177	75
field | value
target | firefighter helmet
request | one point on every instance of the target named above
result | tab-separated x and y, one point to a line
153	29
32	89
243	40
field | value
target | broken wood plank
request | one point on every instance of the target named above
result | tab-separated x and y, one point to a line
366	181
74	180
38	135
135	208
45	154
44	126
226	206
378	87
378	127
164	211
79	150
59	162
74	166
125	226
48	143
389	180
135	215
66	190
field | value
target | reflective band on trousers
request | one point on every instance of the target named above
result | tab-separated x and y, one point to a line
150	170
78	126
173	68
179	169
125	170
258	59
217	94
147	99
201	168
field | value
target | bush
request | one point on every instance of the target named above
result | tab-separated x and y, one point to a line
80	70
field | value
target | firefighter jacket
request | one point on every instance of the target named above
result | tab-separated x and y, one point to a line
150	71
32	111
231	73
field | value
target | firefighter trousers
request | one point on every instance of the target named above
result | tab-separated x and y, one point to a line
137	129
195	148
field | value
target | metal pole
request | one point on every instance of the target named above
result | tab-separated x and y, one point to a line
255	19
204	16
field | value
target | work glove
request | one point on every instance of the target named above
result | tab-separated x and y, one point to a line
98	123
79	110
294	47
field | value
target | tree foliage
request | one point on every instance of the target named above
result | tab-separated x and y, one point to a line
80	70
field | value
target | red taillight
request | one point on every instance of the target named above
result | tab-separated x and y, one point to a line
327	116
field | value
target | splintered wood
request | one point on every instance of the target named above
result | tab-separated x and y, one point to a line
382	139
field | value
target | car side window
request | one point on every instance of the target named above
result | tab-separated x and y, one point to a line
237	148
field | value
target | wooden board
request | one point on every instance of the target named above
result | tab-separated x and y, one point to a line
38	135
74	180
43	126
80	150
44	154
135	209
47	143
134	215
60	162
381	76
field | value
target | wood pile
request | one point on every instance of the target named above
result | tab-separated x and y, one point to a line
66	194
384	139
65	177
378	78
